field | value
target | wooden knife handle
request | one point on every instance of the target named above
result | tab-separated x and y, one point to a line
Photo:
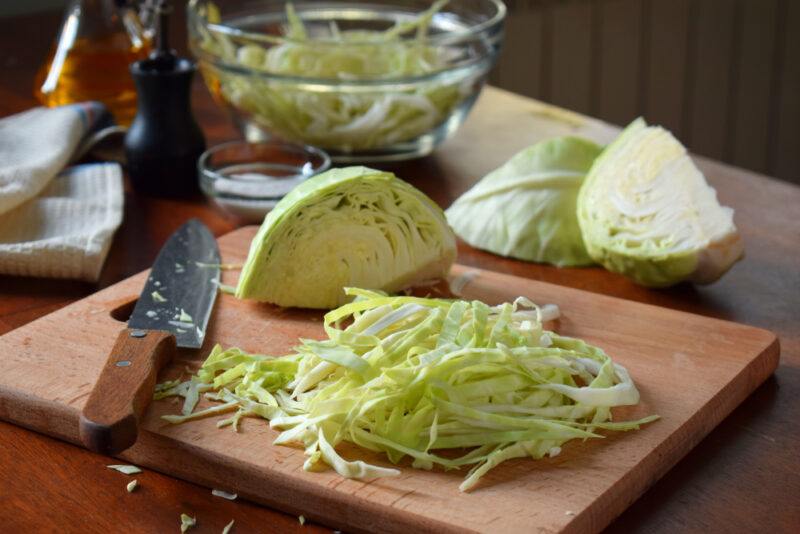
110	419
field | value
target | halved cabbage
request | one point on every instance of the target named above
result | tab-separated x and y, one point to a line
526	208
647	212
351	226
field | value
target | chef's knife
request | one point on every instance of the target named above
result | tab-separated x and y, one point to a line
173	308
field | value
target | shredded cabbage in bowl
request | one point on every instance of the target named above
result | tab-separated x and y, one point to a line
411	376
308	89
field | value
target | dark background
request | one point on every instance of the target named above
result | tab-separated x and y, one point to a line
723	75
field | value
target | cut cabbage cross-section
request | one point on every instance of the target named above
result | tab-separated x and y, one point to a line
646	211
347	227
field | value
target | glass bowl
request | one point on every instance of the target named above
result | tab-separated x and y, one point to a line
323	79
248	179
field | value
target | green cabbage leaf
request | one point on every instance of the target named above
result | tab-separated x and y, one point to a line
353	226
526	209
412	377
646	211
187	522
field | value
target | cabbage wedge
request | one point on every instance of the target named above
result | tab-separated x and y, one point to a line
526	208
646	211
346	227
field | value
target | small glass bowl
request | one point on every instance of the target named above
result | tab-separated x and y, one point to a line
248	179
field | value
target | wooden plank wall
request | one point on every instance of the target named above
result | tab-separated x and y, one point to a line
723	75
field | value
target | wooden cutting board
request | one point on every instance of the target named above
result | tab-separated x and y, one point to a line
691	370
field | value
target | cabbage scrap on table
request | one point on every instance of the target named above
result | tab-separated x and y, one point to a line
414	377
344	119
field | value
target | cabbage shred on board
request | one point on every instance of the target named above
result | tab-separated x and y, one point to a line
411	377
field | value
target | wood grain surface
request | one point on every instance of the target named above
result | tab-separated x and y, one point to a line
691	370
743	477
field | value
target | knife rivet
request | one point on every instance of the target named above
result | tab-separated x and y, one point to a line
138	333
123	363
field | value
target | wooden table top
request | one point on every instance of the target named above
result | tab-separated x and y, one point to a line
745	476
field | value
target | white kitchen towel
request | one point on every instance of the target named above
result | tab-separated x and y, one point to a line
65	231
54	223
37	144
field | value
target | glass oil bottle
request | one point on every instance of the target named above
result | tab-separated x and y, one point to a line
90	59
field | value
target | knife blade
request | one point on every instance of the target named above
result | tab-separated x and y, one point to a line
180	291
173	309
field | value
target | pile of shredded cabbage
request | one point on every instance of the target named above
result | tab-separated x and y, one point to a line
329	117
411	377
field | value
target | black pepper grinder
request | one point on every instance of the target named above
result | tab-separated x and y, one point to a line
164	142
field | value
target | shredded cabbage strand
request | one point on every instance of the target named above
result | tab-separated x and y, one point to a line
410	376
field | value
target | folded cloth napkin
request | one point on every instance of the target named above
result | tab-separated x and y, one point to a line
53	223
